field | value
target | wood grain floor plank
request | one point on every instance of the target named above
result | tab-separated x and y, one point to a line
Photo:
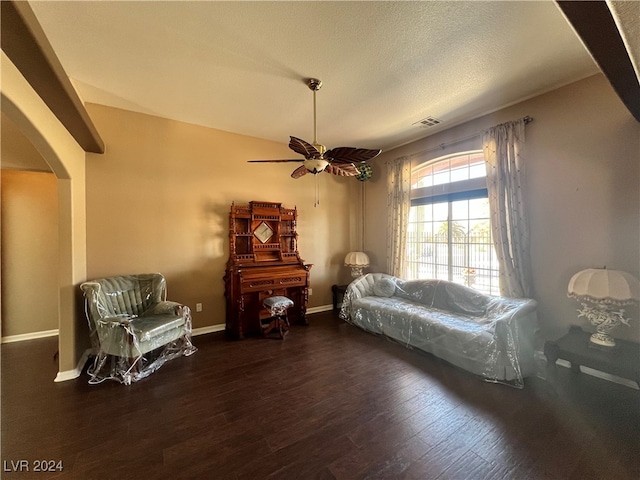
472	468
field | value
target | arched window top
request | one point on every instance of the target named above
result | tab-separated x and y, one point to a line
452	168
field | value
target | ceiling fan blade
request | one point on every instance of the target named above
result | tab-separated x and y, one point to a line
303	148
342	170
351	155
277	161
299	172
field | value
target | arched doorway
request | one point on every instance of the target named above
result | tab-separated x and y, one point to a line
21	104
29	225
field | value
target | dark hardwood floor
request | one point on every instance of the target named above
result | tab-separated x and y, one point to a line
328	402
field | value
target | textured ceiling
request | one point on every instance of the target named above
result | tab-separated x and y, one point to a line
239	66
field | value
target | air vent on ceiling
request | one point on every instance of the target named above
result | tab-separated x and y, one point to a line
427	122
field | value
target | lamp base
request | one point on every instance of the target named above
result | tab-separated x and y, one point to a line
357	272
603	340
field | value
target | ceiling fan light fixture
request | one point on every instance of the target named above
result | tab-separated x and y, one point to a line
315	165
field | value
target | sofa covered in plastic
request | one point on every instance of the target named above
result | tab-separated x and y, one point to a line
134	330
493	337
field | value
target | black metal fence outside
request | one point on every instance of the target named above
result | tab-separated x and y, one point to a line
469	259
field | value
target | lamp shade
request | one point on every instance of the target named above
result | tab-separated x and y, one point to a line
356	259
604	286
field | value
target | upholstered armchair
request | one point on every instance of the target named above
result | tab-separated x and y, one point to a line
134	330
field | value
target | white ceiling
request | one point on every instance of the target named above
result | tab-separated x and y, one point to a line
240	66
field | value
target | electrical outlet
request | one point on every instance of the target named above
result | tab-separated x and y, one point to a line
311	291
198	307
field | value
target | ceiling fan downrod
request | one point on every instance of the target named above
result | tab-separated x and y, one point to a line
314	84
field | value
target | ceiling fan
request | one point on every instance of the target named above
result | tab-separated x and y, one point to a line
342	161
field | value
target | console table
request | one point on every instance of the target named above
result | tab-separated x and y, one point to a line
622	360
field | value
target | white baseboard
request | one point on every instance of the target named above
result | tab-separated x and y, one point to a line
75	373
30	336
321	308
210	329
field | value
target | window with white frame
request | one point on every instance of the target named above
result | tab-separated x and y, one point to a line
449	234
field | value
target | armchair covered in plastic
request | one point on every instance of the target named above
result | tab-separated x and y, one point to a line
493	337
134	330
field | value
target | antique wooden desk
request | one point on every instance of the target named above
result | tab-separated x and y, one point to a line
263	261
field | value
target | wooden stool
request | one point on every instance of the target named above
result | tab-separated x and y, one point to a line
273	315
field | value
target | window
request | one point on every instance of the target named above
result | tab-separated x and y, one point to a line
449	234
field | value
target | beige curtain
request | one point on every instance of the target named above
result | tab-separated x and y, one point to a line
503	153
398	204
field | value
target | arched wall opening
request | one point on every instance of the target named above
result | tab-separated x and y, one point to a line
34	119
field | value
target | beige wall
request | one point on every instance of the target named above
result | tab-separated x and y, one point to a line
29	218
583	162
159	198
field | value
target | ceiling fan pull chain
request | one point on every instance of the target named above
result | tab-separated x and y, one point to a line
317	200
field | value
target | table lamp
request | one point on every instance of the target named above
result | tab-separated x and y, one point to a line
601	293
357	261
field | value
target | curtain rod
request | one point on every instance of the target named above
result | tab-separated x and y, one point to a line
442	146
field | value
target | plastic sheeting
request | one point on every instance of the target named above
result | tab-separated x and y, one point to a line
493	337
134	330
277	305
